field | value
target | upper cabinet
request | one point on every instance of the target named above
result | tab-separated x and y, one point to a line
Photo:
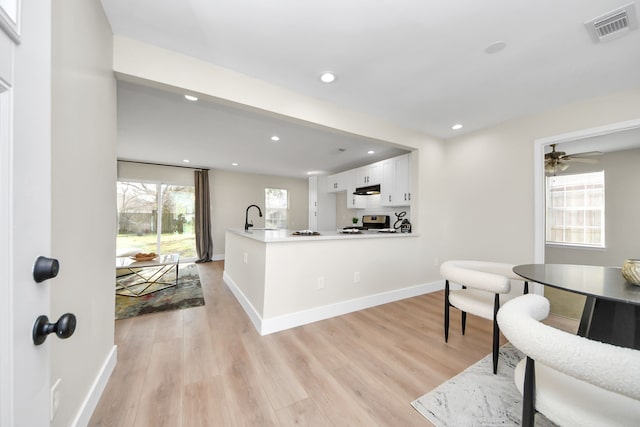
338	182
392	175
354	201
395	186
369	175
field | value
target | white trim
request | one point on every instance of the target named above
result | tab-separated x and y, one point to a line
253	314
97	388
538	175
217	257
6	263
11	24
292	320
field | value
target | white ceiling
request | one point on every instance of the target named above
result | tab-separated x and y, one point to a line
419	64
163	127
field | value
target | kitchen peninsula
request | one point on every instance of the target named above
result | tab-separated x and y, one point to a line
283	281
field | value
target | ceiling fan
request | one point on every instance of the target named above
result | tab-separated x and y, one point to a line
555	161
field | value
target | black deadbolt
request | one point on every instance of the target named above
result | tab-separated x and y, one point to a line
63	328
45	268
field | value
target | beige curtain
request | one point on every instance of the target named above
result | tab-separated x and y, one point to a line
204	243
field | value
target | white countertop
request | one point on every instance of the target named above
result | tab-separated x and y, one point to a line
274	236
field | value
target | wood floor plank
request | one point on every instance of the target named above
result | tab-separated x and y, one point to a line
205	404
207	366
332	398
161	399
120	398
302	413
274	375
200	361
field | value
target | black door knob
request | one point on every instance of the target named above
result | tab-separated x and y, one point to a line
45	268
63	328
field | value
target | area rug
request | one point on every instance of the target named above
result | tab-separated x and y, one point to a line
187	294
476	397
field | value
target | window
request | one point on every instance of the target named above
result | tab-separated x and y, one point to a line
575	209
156	218
277	207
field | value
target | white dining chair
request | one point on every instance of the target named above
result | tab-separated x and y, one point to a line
485	285
572	380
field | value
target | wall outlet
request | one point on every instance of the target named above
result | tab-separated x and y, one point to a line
356	277
54	399
320	283
245	257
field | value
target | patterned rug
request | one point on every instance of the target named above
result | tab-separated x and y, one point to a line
477	397
187	294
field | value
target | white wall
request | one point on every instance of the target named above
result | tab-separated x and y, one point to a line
83	203
232	192
489	177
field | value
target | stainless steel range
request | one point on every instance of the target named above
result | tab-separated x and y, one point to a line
375	222
371	224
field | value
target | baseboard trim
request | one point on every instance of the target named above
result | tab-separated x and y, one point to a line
217	257
292	320
97	388
244	302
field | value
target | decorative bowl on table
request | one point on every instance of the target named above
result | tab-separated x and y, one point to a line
144	257
631	271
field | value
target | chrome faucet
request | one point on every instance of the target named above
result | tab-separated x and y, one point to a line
246	217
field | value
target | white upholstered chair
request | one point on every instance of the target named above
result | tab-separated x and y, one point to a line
574	381
485	285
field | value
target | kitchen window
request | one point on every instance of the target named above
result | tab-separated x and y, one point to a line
277	207
575	209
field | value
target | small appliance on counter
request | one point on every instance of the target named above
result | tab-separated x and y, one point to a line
402	223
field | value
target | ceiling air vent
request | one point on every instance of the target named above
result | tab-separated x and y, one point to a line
613	24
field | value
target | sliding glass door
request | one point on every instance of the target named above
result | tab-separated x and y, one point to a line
155	217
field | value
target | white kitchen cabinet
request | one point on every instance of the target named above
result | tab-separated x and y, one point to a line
322	205
369	175
387	194
313	203
394	189
402	186
337	182
354	201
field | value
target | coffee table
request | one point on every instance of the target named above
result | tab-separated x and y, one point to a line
145	277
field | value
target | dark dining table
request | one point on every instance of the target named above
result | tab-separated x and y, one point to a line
611	311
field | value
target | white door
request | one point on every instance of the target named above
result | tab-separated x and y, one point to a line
25	217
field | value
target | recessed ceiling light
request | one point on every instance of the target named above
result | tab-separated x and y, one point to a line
275	138
370	152
191	97
186	160
495	47
234	164
456	127
327	77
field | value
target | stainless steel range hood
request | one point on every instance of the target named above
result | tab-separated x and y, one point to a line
367	191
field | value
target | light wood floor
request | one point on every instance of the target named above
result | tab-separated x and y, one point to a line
207	366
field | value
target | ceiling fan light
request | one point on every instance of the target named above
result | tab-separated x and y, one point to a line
549	168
